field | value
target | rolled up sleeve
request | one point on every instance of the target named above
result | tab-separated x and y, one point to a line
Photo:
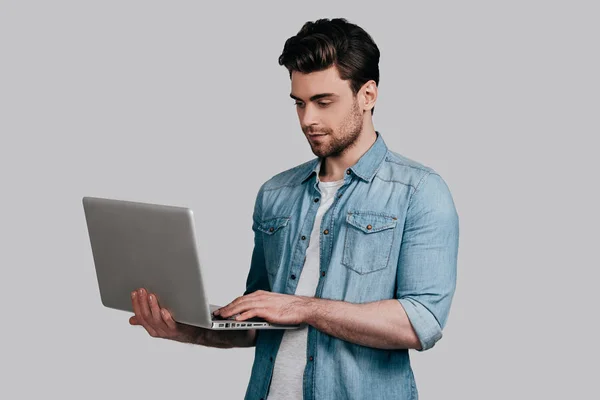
426	277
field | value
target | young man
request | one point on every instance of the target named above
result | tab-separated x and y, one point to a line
359	245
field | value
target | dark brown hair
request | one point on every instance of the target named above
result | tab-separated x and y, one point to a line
323	43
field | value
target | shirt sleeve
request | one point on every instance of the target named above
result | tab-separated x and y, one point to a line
426	277
257	275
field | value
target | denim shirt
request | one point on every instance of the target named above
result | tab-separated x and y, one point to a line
391	233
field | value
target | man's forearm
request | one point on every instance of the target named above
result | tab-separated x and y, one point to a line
381	324
224	339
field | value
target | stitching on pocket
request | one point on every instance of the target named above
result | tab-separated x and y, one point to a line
370	222
273	251
362	225
272	225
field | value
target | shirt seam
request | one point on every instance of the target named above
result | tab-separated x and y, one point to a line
282	186
392	180
417	187
388	159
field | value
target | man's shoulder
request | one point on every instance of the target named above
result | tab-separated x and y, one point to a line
292	176
404	170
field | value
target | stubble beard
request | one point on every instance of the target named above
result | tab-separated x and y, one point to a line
349	132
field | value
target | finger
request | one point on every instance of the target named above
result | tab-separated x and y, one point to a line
255	312
245	315
144	306
258	299
136	306
157	320
226	307
220	310
138	313
237	302
142	313
240	307
168	319
134	321
224	310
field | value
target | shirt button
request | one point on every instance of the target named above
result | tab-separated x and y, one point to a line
271	229
322	273
316	200
303	237
347	172
326	232
311	358
369	227
293	276
271	358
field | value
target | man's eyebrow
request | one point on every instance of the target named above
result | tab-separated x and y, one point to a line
316	96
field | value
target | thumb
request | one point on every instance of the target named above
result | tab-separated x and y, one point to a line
133	320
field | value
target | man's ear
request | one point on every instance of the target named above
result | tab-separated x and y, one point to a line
369	95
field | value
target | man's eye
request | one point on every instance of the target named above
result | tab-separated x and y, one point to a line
321	104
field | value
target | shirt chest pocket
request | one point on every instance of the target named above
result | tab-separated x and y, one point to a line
274	232
368	241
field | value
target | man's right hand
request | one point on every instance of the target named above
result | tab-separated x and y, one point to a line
158	321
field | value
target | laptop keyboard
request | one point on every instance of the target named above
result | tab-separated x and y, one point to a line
220	318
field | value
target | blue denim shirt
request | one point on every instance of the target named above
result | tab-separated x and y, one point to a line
392	233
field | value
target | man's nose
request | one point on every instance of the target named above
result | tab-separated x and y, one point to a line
308	117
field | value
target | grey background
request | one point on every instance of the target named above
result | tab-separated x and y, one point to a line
185	104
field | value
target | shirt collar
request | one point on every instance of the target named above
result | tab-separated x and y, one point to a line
365	168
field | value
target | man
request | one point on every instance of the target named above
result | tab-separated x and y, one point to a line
358	245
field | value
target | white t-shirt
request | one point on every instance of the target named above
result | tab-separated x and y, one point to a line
288	372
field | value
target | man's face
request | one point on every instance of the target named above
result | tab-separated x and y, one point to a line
327	108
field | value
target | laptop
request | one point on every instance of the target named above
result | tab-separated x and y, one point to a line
153	246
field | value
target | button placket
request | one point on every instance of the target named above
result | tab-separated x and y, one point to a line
312	333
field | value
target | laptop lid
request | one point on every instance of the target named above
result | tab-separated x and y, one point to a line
146	245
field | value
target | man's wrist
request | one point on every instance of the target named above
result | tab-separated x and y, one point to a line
190	334
310	310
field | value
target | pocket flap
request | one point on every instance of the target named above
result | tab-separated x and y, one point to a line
370	222
271	225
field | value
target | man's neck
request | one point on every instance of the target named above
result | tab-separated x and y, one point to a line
334	168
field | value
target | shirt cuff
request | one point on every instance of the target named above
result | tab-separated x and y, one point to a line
424	323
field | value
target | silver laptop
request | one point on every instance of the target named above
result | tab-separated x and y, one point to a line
153	246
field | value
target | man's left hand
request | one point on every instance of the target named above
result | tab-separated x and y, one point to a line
276	308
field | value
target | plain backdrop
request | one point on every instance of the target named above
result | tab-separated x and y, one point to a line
184	103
